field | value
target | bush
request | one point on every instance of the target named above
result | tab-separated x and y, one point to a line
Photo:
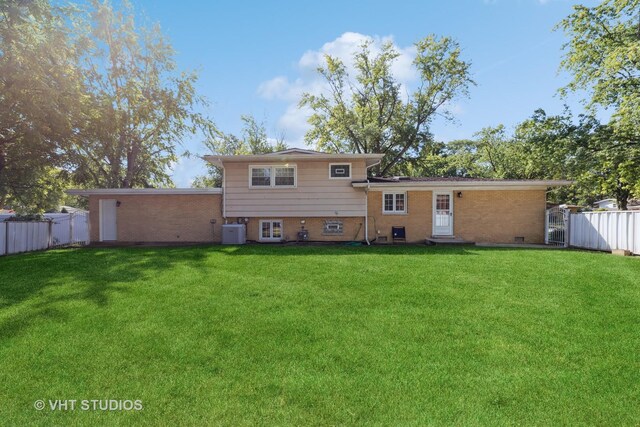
27	217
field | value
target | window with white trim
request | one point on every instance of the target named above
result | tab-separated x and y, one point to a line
394	202
270	230
340	170
285	177
272	176
261	176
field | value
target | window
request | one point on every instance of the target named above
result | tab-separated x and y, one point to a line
332	227
260	177
285	177
272	176
340	170
271	230
394	203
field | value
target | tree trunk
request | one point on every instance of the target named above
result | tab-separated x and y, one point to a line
622	196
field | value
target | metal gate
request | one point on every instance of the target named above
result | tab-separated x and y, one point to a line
557	227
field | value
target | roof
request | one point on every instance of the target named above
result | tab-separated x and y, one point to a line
459	182
295	151
294	154
141	191
604	200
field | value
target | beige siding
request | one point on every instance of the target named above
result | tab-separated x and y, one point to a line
162	218
314	196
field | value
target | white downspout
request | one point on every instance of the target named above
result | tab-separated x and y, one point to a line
366	216
224	194
366	205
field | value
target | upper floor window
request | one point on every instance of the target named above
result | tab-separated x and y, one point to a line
260	177
340	170
285	177
272	176
394	203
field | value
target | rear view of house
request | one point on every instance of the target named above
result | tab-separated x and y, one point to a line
302	195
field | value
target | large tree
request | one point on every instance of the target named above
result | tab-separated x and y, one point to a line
252	140
142	107
370	113
603	55
41	98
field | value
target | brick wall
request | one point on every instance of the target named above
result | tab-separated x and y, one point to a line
163	218
417	220
500	216
353	228
494	216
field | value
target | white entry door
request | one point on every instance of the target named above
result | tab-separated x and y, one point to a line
442	213
108	223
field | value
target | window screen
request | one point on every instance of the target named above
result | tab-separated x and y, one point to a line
261	177
285	177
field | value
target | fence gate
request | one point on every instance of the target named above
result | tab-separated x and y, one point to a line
557	227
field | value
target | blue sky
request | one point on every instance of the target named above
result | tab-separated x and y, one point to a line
257	57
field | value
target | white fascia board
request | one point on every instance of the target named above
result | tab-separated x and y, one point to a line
467	185
142	191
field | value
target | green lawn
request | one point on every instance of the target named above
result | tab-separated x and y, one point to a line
322	335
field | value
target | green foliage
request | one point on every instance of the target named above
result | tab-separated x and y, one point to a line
603	55
88	98
141	108
368	113
40	102
252	140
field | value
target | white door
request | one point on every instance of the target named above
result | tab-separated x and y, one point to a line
442	213
271	230
108	224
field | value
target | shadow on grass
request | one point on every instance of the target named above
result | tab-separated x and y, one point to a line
89	275
340	249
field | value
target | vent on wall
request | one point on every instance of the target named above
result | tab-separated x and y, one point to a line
333	227
519	239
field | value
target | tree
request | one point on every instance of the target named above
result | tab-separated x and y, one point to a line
253	140
141	108
369	115
603	54
41	95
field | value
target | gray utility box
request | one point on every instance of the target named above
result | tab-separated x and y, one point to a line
234	234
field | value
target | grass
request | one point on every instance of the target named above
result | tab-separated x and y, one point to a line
322	335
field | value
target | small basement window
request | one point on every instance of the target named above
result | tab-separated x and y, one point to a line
340	170
333	227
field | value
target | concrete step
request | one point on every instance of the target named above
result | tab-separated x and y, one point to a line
447	240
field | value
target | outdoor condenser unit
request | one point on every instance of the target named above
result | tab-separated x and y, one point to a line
234	234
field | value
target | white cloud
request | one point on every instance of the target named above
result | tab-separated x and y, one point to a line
294	119
185	169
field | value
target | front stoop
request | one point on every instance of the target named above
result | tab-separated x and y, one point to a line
447	240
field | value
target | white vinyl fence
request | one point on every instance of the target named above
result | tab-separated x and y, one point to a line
605	231
60	230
